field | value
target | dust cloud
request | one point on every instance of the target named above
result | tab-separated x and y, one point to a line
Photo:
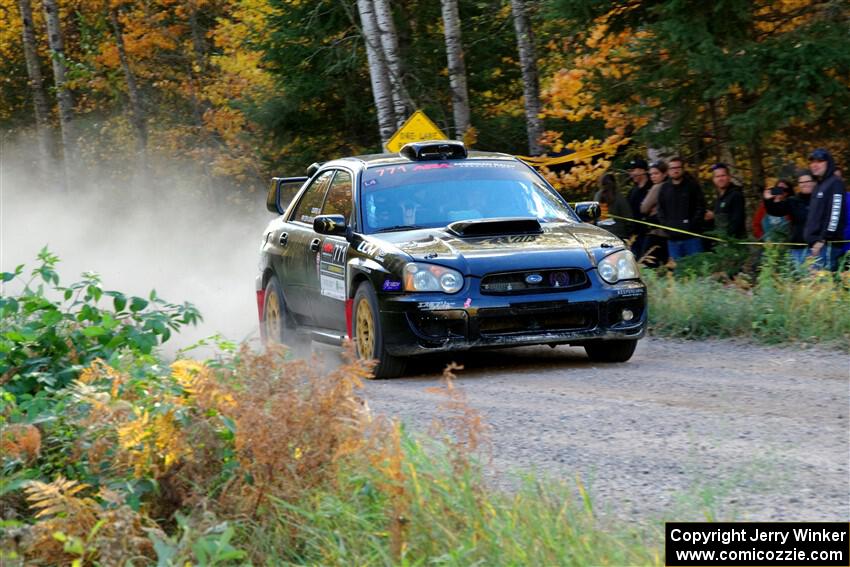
167	230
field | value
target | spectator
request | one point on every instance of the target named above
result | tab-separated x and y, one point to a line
773	228
729	216
681	206
827	215
613	204
655	252
795	207
637	169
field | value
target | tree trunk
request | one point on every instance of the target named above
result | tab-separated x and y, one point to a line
457	67
381	89
36	83
63	95
757	166
137	111
389	45
530	81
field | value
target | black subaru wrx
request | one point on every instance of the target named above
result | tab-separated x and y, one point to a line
439	249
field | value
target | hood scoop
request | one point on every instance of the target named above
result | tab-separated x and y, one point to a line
495	227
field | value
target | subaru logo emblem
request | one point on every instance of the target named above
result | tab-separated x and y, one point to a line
533	279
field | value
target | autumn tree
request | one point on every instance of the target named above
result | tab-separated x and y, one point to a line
760	82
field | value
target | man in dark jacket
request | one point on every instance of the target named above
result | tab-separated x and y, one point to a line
681	205
827	215
638	172
729	214
796	207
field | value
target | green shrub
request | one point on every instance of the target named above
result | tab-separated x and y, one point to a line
50	332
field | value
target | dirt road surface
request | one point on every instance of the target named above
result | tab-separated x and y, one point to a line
684	429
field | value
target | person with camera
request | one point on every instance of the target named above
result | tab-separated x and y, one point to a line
773	228
796	208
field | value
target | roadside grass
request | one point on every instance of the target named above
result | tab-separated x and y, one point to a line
780	305
112	457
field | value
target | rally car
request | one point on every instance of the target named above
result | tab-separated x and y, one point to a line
436	249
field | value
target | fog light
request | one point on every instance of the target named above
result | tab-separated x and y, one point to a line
628	315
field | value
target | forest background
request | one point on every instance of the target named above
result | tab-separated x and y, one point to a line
240	90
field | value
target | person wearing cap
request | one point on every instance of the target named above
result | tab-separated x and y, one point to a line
681	207
827	214
729	214
638	172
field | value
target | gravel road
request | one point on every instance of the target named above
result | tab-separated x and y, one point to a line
740	431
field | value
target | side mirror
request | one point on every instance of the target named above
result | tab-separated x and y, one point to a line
330	224
281	192
588	211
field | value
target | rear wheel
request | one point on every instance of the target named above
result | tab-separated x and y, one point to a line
611	351
277	325
369	336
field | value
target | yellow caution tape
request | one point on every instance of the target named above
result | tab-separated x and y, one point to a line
547	161
705	236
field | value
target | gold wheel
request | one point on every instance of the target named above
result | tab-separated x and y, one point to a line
365	330
273	317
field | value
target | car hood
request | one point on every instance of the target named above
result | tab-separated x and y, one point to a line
560	245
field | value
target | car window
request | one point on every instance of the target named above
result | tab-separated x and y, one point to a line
436	194
338	201
311	202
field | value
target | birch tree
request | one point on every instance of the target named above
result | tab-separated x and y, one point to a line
381	89
389	47
137	112
530	81
457	67
63	94
36	84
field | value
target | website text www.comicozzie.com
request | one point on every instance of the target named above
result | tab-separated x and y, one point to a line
750	543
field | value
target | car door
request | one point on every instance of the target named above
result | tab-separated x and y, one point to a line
298	269
328	298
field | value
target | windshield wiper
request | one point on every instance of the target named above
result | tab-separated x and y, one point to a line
399	227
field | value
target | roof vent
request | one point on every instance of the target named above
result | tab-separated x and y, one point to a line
434	150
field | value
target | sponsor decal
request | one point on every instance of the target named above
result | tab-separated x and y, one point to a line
434	305
628	292
391	285
432	166
467	303
331	265
332	287
372	250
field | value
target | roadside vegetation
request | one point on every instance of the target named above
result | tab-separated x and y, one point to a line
725	294
110	456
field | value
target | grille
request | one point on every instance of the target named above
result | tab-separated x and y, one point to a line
538	318
509	283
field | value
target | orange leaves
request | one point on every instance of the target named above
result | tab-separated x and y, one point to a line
20	441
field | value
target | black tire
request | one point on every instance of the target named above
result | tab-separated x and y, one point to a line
278	327
369	335
611	351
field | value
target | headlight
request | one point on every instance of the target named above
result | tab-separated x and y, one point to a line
428	277
618	266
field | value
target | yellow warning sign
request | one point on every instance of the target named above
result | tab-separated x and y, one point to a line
417	128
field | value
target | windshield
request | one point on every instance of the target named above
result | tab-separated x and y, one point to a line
434	194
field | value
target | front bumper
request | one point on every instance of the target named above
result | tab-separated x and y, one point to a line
429	322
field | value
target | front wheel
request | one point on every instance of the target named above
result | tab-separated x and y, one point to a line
369	336
611	351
